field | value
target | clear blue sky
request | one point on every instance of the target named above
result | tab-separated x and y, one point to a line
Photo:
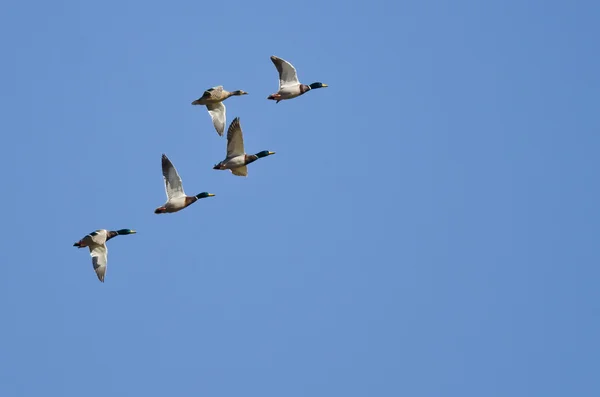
427	228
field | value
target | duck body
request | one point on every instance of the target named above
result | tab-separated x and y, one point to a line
289	85
176	197
289	92
96	242
179	203
237	159
212	99
97	237
237	165
231	163
176	204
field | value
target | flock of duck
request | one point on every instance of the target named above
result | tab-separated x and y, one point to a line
235	160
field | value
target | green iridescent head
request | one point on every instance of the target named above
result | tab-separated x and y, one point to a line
204	195
123	232
317	85
264	153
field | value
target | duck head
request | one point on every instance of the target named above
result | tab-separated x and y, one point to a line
317	85
204	195
123	232
264	153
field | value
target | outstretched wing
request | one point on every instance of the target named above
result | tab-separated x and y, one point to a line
240	171
287	73
173	185
217	113
235	139
99	255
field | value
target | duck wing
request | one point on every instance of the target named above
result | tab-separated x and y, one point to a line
235	139
217	113
287	72
173	184
99	255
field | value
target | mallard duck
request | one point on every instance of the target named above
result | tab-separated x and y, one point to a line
176	197
237	159
96	242
289	86
213	99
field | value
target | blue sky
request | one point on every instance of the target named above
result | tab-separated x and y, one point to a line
428	226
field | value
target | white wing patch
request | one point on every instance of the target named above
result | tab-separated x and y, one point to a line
217	113
173	185
235	139
287	73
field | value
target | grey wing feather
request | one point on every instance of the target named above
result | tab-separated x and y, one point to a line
235	139
287	72
240	171
173	184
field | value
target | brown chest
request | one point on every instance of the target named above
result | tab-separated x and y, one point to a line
303	88
190	199
250	158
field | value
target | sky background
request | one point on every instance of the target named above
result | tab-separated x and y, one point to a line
427	228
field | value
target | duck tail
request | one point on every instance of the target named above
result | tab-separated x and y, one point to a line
77	244
275	97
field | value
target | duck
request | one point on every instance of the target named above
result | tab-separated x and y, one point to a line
213	100
96	242
176	197
237	159
289	86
